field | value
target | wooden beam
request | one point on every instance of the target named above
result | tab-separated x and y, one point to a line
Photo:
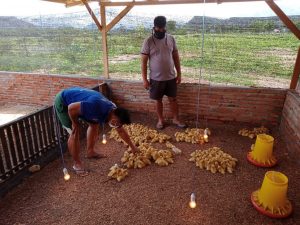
296	72
284	18
92	14
118	18
104	40
147	2
168	2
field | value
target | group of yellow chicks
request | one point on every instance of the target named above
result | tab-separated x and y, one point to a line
142	137
194	135
117	173
253	133
140	134
214	160
145	156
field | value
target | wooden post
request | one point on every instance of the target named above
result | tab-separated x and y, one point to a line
118	17
284	18
293	28
90	11
104	40
296	72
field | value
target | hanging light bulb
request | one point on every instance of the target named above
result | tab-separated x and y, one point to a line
66	174
104	141
192	202
205	136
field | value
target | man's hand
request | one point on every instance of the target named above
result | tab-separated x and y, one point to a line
135	150
178	79
146	84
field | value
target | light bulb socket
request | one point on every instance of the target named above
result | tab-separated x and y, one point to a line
193	197
66	174
104	141
205	131
65	171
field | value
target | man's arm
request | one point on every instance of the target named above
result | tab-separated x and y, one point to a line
176	60
74	112
144	66
73	142
123	134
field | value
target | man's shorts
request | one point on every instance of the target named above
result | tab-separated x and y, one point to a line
160	88
62	112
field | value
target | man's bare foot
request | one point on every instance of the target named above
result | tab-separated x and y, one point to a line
160	125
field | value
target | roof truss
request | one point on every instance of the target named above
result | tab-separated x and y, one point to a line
145	2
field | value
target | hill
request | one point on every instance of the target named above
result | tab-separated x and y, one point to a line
270	23
14	22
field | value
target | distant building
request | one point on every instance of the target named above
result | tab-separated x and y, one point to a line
276	31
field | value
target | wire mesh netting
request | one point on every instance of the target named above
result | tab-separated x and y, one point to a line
247	51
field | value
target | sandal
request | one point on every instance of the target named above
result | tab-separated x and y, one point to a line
79	171
159	126
180	125
96	156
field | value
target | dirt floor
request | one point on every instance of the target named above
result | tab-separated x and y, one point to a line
152	195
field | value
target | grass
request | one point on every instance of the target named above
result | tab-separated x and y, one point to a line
233	58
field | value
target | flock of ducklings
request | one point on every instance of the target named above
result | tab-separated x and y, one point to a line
212	159
253	133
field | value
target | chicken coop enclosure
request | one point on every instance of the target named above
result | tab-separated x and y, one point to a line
151	192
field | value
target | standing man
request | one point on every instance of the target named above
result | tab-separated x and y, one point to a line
161	51
91	106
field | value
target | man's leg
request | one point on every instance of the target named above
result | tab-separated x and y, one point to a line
174	110
61	111
92	137
171	92
157	93
159	112
74	148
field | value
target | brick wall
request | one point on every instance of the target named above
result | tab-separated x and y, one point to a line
290	124
254	105
37	89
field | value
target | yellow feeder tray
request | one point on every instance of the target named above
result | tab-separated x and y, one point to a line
262	154
271	199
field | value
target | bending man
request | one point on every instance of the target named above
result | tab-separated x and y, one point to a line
92	107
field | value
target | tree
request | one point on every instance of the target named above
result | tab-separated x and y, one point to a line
171	25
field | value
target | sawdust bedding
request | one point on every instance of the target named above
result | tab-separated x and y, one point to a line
154	194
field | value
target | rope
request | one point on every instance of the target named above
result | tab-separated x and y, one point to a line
201	64
193	194
57	131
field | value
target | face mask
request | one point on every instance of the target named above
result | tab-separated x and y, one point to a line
159	34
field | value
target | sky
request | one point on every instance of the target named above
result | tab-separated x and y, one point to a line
225	10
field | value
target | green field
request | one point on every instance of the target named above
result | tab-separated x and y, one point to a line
231	58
